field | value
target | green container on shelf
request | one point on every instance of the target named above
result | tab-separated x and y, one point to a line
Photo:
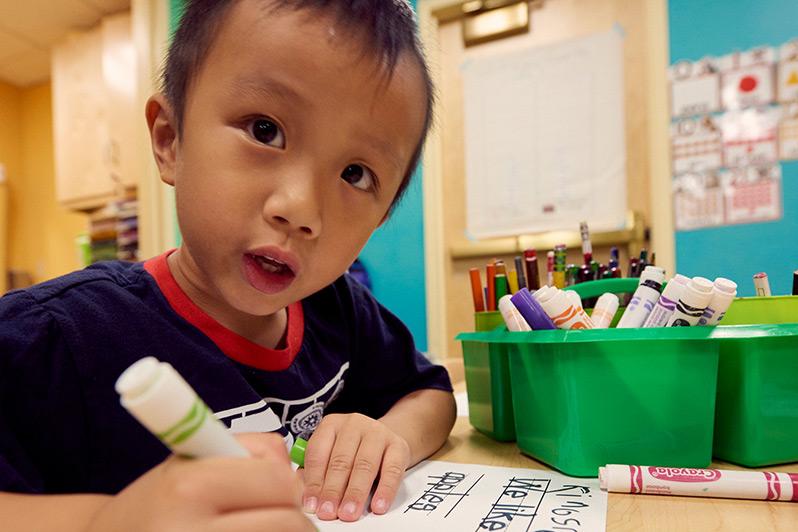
487	375
756	417
583	399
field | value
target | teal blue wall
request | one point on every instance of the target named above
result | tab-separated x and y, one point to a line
718	27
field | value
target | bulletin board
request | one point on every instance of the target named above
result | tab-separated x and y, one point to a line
741	217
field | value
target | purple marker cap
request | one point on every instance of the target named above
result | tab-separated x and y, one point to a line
531	310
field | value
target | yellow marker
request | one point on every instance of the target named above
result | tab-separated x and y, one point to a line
512	280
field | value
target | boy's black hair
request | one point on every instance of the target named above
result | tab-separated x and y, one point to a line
387	26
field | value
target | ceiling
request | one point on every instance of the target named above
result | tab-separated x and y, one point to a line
29	28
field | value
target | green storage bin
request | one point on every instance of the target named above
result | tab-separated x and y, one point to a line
756	418
487	375
586	398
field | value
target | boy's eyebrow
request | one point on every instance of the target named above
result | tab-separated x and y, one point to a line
267	87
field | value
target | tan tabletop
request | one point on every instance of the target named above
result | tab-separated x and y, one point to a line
639	512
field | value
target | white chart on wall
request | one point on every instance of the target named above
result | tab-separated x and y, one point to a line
544	138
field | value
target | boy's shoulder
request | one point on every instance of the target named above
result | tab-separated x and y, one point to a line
101	276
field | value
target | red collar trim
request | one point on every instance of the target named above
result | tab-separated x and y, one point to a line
232	344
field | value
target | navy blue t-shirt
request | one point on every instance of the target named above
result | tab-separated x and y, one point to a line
63	344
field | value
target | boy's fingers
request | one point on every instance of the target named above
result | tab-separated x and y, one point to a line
228	484
317	455
264	445
364	471
281	519
336	478
394	464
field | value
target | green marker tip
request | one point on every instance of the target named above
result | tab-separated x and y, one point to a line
298	452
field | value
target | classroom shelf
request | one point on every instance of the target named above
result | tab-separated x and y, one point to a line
633	236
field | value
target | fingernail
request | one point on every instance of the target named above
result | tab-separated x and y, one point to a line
380	505
310	505
327	508
349	509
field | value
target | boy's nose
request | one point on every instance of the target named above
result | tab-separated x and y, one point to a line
294	209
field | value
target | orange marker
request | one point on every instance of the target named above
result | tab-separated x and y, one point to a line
491	302
476	290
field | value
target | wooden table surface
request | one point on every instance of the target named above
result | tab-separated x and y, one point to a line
639	512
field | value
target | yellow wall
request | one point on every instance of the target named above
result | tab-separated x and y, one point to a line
11	158
41	232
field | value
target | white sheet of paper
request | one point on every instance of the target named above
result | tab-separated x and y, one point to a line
444	496
544	138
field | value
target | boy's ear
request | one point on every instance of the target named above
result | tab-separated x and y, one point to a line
163	136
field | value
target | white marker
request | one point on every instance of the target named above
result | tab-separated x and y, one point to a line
723	293
512	318
574	298
692	303
761	284
561	311
644	298
604	311
666	303
694	482
161	400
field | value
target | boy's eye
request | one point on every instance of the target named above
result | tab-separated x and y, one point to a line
268	132
359	177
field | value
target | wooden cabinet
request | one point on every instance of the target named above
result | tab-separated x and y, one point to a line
94	108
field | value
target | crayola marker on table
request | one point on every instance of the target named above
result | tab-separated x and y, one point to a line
604	311
723	293
644	298
512	318
693	482
761	284
691	304
160	399
666	303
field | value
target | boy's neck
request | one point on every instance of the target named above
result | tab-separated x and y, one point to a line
267	331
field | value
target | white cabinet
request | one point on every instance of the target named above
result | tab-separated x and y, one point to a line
94	84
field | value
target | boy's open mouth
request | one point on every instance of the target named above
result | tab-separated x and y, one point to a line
267	274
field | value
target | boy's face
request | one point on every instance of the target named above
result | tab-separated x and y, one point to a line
293	147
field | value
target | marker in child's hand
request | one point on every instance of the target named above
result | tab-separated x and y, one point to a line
694	482
161	400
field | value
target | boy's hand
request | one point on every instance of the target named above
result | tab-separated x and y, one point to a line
343	457
212	494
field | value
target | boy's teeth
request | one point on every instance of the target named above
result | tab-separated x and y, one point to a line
272	266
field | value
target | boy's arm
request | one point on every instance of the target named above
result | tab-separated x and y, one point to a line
219	494
67	513
424	419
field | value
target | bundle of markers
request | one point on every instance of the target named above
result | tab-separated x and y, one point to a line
525	305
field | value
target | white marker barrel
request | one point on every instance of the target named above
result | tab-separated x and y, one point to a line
761	284
666	303
604	311
564	314
692	303
694	482
512	317
644	298
723	293
161	400
574	298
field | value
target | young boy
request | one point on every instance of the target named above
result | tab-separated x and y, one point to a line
289	129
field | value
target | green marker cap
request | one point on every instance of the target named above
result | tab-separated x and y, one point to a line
298	452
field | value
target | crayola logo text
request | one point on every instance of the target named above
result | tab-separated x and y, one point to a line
684	474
